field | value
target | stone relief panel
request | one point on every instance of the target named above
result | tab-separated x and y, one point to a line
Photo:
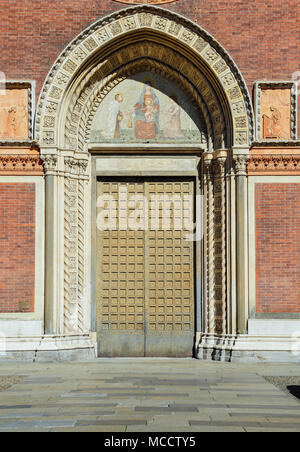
275	111
14	114
147	108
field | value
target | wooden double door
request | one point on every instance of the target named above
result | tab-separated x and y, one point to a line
145	266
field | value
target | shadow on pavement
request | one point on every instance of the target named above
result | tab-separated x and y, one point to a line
295	391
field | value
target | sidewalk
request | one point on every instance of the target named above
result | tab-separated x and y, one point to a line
147	395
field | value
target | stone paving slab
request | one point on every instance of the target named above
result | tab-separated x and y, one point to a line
147	395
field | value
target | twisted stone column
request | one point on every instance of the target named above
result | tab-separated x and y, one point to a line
220	243
210	249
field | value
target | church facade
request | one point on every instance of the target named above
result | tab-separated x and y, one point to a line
149	180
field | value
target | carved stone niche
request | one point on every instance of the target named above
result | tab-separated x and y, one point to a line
276	111
16	111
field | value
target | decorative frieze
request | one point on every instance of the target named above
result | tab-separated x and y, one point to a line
273	164
20	164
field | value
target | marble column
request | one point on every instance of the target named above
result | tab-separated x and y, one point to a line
240	160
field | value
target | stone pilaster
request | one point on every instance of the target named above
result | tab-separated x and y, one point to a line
240	160
50	171
66	237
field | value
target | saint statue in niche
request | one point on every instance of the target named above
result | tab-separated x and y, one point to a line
115	117
147	114
172	128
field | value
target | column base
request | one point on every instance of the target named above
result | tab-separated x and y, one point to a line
55	348
246	348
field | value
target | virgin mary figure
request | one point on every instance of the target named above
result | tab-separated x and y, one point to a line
147	114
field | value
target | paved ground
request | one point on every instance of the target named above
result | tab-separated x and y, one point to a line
146	395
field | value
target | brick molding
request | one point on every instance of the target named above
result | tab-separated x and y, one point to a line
274	164
11	164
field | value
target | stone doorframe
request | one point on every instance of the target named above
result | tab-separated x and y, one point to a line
169	164
123	44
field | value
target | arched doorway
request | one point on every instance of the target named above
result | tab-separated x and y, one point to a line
207	115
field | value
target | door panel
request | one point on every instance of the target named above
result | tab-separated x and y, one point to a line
121	283
170	275
145	301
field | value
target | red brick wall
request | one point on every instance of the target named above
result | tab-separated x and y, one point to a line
17	247
262	36
277	247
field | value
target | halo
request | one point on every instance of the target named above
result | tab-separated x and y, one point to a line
120	93
150	79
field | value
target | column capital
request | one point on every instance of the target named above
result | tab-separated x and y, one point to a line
50	164
221	154
240	164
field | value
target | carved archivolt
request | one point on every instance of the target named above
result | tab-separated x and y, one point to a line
139	24
86	99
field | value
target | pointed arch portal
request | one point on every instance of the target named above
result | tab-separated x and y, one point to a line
115	49
98	57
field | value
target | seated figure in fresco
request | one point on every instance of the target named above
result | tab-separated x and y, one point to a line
149	110
147	114
173	127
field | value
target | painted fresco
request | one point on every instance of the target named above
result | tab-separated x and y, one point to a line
14	114
147	108
276	113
